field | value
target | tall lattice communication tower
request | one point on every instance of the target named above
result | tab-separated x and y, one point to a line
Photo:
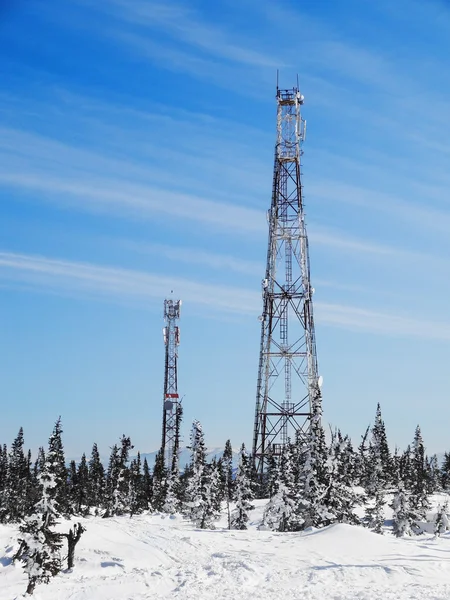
171	400
288	384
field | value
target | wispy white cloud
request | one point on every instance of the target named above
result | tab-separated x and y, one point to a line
185	25
116	284
368	321
193	256
374	200
119	198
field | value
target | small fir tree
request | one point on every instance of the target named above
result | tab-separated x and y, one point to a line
340	497
401	517
243	493
96	480
445	473
314	476
199	492
441	523
17	480
227	470
282	511
58	461
159	483
147	485
39	542
418	499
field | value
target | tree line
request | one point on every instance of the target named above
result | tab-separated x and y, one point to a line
312	483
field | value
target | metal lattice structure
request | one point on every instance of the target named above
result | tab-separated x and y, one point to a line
287	384
171	401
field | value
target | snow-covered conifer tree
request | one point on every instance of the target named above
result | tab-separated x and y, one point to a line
442	522
82	499
147	485
379	446
243	493
378	476
227	469
433	474
96	480
117	479
17	481
282	511
374	515
159	482
39	543
136	495
217	488
362	459
314	478
401	512
418	499
340	497
200	502
445	472
55	457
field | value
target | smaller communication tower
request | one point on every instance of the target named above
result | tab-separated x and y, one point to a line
171	401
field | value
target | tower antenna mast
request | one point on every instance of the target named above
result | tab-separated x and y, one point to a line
288	384
171	401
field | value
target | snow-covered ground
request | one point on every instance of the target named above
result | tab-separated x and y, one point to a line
150	556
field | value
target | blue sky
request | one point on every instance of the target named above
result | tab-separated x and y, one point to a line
136	151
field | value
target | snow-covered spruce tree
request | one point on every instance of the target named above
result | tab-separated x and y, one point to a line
17	481
72	486
39	542
56	450
433	474
117	479
272	475
406	468
147	485
243	493
445	472
217	489
282	511
3	482
112	477
314	479
374	514
379	474
340	497
442	523
137	500
380	444
96	480
401	517
159	483
418	500
227	473
362	459
199	506
185	477
81	499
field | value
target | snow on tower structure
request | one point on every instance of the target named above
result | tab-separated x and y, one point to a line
288	384
171	401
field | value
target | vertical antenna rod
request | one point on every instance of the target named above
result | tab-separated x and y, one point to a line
171	402
287	385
